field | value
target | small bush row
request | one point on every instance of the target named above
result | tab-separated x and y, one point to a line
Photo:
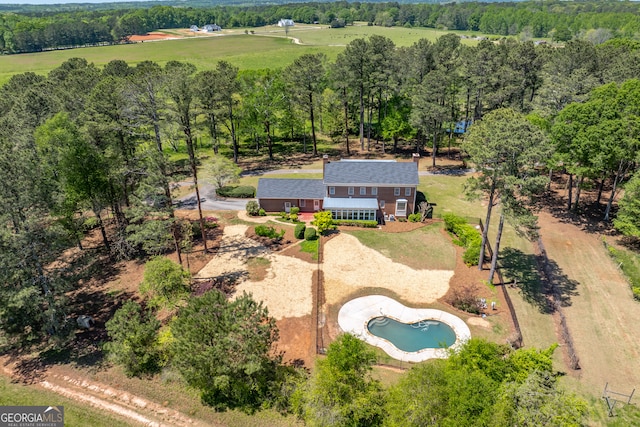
238	192
268	231
416	217
628	267
467	236
291	216
356	223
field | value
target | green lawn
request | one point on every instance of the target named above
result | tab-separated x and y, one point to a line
426	248
75	414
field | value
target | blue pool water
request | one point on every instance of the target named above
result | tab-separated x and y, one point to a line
414	336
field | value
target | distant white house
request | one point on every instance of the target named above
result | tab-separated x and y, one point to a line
209	28
194	28
286	23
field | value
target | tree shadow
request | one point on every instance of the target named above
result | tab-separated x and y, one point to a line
521	270
540	280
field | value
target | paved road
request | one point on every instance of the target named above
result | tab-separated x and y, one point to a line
210	201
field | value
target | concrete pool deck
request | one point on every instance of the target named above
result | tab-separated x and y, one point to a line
355	315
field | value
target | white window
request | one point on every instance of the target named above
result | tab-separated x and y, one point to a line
401	208
350	191
332	190
396	191
363	191
381	204
407	191
374	191
303	203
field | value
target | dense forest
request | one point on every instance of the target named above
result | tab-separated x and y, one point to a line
39	29
84	141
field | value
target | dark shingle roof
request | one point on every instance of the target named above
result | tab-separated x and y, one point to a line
274	188
371	172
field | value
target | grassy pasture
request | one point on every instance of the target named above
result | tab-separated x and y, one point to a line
268	48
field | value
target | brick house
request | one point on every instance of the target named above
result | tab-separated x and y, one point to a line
350	189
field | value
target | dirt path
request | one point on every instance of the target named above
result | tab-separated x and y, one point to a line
602	315
134	409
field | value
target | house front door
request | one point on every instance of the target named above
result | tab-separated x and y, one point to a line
316	205
287	207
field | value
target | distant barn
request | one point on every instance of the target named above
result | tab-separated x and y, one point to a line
209	28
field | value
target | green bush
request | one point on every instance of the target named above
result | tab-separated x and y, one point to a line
356	223
238	192
293	217
270	232
416	217
310	234
253	208
467	236
262	212
323	221
299	231
90	223
294	210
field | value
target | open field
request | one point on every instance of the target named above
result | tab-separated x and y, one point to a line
268	48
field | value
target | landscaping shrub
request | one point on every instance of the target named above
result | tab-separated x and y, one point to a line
293	217
253	208
238	192
467	236
323	221
294	210
466	299
270	232
416	217
310	234
262	212
299	231
210	223
356	223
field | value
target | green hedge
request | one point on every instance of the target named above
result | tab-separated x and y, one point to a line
310	234
629	266
356	223
467	236
299	231
238	192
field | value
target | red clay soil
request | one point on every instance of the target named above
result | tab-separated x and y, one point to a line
151	37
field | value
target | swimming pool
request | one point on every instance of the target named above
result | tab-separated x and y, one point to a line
360	315
413	336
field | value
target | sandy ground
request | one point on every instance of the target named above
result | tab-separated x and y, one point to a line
349	266
286	290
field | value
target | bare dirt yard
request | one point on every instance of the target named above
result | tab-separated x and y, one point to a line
601	312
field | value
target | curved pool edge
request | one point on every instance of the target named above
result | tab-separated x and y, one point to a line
356	314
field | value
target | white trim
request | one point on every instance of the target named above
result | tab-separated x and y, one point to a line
374	191
401	212
351	191
302	203
407	191
363	191
332	190
396	191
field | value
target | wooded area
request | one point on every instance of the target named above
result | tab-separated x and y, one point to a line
40	29
87	148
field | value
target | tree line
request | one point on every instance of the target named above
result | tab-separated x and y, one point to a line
598	21
82	141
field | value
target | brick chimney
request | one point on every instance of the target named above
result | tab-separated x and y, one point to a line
325	161
416	159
